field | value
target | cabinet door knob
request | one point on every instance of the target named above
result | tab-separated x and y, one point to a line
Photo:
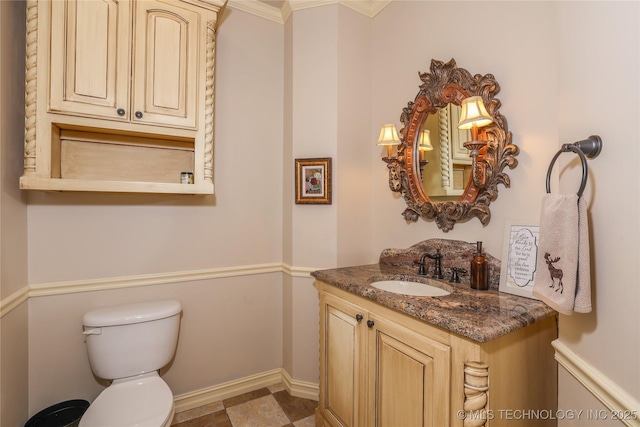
370	323
138	114
359	317
120	112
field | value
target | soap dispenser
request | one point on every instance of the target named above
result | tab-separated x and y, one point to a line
479	270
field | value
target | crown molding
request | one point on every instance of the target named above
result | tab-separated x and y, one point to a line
258	8
369	8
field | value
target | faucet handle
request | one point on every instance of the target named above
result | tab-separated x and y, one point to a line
422	269
455	274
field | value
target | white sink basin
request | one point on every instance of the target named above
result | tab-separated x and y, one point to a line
410	288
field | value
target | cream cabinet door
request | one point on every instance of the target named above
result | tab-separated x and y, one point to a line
165	72
90	57
409	377
342	347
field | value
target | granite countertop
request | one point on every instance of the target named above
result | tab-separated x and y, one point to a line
479	315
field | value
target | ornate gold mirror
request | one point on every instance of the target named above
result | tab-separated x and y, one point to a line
455	176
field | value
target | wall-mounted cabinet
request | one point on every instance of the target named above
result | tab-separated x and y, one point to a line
119	95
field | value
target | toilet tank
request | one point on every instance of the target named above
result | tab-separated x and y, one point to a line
127	340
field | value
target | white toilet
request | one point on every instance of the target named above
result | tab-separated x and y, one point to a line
129	344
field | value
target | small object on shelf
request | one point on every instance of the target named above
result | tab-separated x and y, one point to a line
186	178
479	270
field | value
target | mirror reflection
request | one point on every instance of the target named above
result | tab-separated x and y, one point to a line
446	168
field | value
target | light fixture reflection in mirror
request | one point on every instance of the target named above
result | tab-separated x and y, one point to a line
389	138
474	115
425	142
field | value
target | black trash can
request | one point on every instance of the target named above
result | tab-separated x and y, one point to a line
64	414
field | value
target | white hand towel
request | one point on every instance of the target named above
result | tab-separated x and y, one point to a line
563	269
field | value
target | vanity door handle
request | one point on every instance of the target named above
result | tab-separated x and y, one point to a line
138	114
370	323
359	318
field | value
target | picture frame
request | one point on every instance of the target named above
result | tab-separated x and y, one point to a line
313	181
519	258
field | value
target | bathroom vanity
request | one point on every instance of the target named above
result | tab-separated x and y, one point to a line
470	358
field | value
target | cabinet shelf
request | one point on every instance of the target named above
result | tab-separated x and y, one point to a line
107	186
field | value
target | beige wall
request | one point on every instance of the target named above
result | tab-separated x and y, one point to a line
13	218
353	169
230	329
321	85
599	60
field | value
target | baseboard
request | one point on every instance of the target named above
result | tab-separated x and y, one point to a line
599	385
302	389
234	388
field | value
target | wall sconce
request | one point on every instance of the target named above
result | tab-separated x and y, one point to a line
473	116
389	137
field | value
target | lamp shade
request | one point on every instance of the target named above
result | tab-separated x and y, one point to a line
425	141
388	135
473	113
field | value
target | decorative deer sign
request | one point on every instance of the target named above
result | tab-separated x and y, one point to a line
556	273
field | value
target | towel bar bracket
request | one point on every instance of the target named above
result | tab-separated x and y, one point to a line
591	146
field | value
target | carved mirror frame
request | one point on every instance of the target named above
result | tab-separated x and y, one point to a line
445	84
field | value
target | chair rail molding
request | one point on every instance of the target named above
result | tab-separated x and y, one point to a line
91	285
13	301
598	384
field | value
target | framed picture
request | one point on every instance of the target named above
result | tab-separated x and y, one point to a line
519	258
313	181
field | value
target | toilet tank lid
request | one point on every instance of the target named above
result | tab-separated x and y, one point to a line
131	313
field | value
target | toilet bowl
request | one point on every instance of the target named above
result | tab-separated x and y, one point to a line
128	345
143	402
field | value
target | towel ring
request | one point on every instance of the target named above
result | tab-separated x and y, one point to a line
589	147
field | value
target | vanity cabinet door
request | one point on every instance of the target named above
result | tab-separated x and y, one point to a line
90	58
165	72
375	372
408	377
342	400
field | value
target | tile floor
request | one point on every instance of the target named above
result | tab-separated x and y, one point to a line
267	407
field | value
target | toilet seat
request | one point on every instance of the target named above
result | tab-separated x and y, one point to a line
142	401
